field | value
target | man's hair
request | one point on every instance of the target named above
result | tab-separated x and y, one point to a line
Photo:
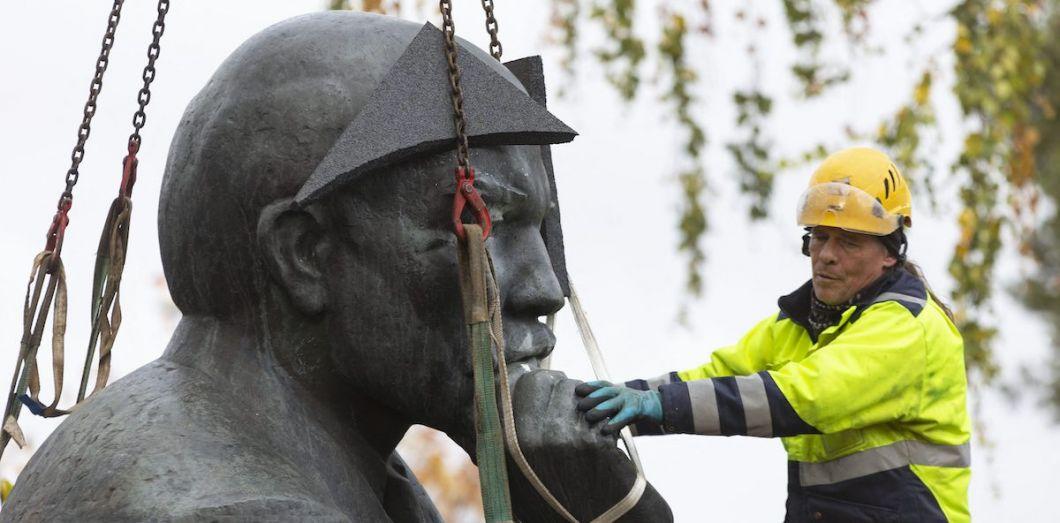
897	243
909	266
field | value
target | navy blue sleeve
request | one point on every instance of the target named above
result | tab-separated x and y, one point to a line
731	406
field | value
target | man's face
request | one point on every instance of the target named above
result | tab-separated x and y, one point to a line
396	322
845	262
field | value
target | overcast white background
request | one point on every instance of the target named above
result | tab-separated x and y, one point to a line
619	203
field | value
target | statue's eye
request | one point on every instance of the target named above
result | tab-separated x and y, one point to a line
441	241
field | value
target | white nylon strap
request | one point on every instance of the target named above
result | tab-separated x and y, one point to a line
596	359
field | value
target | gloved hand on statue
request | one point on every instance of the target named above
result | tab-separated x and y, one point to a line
564	450
602	399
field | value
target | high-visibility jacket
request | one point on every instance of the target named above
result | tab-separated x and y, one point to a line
871	412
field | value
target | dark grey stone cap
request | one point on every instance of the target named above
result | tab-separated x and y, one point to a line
410	114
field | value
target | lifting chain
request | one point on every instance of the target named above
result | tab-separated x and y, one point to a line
449	30
90	106
491	27
457	96
153	50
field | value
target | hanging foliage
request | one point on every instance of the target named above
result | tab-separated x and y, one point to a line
1040	289
368	6
1000	69
563	32
814	75
623	50
750	152
693	180
904	136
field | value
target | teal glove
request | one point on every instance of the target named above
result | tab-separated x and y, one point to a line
601	399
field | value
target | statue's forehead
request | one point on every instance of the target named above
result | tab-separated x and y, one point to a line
410	115
503	174
511	172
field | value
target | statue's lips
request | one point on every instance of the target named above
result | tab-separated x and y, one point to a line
527	339
528	342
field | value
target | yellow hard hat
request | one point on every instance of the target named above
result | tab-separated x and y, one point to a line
857	189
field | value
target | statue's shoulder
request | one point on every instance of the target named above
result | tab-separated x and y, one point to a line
160	443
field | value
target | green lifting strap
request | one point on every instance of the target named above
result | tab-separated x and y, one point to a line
489	442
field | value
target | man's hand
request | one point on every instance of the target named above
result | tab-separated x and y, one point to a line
583	468
601	399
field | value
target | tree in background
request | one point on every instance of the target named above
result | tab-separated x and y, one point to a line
445	471
1041	290
1004	63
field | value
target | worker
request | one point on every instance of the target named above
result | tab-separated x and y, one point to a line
861	372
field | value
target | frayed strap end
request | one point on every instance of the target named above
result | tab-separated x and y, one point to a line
12	429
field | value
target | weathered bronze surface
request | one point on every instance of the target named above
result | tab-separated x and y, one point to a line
315	333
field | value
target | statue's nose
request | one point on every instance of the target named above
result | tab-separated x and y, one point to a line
529	287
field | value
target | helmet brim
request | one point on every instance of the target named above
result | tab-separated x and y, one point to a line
840	205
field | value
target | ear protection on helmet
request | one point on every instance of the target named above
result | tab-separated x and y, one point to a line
897	244
806	242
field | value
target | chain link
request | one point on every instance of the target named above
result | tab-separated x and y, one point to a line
449	30
491	26
153	50
85	129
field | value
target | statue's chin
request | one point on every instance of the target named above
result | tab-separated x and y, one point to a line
463	433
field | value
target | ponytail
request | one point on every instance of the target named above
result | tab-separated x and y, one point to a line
914	269
896	244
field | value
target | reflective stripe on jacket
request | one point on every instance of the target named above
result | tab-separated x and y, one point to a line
872	413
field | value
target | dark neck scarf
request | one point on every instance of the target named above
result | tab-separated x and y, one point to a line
823	315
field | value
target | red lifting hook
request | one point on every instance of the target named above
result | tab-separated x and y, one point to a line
128	174
466	194
58	227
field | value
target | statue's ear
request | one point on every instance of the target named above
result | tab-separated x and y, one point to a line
294	245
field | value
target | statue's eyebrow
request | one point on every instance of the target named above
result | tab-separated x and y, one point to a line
499	189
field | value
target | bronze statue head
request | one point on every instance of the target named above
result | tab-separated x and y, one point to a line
308	193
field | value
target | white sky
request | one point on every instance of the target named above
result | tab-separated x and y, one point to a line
619	204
